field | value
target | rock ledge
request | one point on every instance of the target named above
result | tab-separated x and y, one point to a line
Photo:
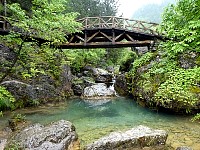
136	138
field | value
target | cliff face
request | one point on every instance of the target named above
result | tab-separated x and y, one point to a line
167	83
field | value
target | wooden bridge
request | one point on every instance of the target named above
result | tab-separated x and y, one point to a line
113	32
109	32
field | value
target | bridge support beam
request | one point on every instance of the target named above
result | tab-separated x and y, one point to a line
107	38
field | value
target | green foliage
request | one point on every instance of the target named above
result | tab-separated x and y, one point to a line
181	23
6	99
118	56
18	118
48	22
13	146
1	114
165	82
175	91
196	117
140	62
91	8
78	59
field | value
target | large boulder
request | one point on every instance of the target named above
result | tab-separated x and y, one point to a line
120	85
136	138
60	135
100	75
99	90
78	84
29	93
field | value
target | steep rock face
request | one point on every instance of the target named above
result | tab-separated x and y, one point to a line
66	81
158	82
59	135
136	138
7	58
120	85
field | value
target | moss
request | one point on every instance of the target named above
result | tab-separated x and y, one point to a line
197	61
195	90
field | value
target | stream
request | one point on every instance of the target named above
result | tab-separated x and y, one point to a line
94	119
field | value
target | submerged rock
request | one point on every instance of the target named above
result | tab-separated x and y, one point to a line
98	91
60	135
135	138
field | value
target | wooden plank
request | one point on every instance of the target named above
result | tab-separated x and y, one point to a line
129	37
80	38
106	36
90	38
119	36
107	44
71	39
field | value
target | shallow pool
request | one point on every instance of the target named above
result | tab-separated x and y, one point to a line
94	119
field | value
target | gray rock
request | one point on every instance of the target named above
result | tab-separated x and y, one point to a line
78	89
7	58
102	75
138	137
26	92
184	148
110	69
3	143
121	85
188	60
66	80
98	91
60	135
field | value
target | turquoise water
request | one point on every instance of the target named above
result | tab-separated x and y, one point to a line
94	119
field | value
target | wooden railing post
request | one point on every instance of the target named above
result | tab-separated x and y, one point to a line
113	22
86	22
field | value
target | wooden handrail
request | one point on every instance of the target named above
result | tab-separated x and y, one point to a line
119	23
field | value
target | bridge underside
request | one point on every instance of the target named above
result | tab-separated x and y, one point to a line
108	38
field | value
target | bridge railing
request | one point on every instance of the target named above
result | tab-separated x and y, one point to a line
119	23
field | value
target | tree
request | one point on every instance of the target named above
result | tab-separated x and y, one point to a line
91	8
181	23
47	22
